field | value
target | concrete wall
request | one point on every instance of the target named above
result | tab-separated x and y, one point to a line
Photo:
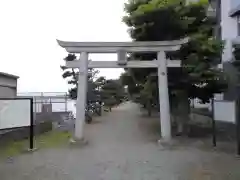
23	133
231	94
7	92
7	81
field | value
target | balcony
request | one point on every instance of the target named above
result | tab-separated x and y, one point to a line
235	11
235	8
236	41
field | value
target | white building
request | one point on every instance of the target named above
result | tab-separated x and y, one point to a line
8	85
230	24
230	33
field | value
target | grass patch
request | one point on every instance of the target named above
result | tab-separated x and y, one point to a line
53	139
47	140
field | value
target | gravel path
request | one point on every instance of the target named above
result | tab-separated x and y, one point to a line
122	146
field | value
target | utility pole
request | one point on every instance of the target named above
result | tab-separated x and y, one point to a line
218	20
236	64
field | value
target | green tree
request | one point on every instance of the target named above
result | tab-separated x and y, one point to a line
112	93
158	20
94	83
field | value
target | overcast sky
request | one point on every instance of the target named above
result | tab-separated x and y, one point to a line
29	29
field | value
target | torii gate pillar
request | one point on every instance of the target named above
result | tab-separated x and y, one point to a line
164	97
121	47
81	95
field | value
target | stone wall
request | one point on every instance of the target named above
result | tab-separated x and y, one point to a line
201	126
43	123
23	132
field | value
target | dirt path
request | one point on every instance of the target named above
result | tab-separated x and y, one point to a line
122	146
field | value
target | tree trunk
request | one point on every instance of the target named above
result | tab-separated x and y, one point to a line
144	105
149	108
100	111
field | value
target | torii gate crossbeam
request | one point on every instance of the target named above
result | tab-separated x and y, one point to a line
129	64
121	48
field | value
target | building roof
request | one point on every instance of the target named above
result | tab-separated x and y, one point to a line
9	75
235	11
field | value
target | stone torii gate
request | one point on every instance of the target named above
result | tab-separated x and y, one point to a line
122	48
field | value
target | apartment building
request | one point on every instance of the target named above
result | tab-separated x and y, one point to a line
230	26
230	33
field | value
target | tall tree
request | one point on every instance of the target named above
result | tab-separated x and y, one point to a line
158	20
94	82
112	93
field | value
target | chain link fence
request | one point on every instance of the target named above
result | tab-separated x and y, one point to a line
56	107
48	101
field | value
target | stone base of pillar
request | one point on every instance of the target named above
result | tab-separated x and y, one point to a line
78	142
31	150
166	144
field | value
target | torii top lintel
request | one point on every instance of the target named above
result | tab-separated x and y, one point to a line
114	47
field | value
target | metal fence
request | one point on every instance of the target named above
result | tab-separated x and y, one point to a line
49	101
